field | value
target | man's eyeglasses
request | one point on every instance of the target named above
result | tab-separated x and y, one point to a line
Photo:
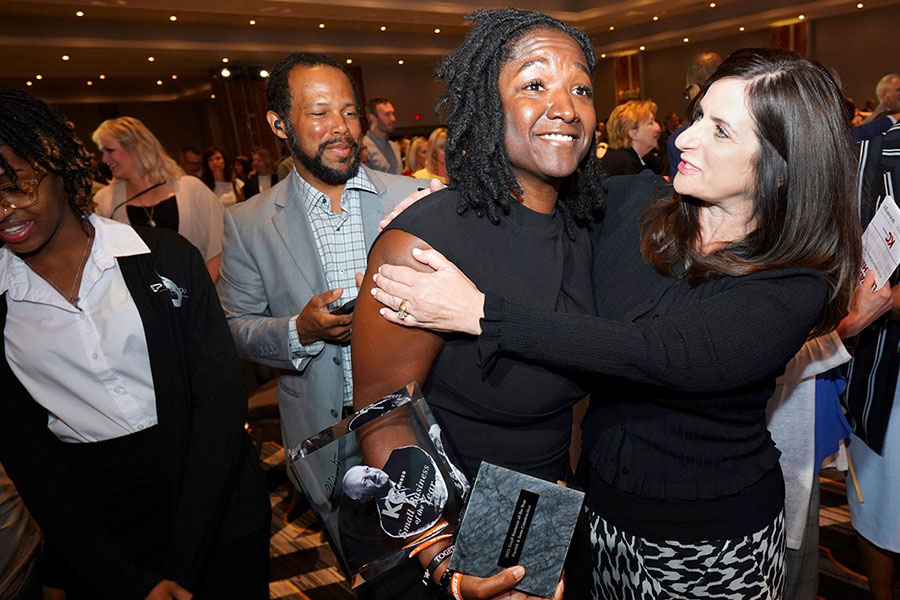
21	194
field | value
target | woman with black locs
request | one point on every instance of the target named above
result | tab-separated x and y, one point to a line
122	434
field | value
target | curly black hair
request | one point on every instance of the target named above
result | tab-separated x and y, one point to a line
42	136
477	165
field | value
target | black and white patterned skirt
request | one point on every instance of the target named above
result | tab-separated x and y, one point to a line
629	567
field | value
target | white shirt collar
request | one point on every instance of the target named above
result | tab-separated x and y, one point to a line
111	240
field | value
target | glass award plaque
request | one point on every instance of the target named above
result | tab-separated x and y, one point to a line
381	483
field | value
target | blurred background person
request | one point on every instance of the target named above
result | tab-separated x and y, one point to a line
263	176
149	189
241	168
191	161
435	161
219	177
416	155
633	134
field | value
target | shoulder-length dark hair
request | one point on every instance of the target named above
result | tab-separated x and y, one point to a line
206	174
803	190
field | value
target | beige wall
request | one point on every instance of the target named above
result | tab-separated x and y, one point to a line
861	46
664	70
176	124
411	89
854	44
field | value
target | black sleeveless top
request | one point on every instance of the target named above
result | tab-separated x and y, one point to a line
517	414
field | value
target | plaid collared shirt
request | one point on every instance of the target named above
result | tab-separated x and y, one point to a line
341	245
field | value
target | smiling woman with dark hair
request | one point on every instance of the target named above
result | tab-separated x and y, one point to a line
521	121
120	427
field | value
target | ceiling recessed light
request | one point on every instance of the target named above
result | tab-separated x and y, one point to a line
224	59
79	13
801	17
712	4
321	25
253	21
212	96
150	59
65	57
349	61
383	28
263	73
29	83
225	73
742	28
437	29
656	18
603	55
159	82
90	82
173	18
860	5
400	62
686	40
612	27
38	76
642	48
174	76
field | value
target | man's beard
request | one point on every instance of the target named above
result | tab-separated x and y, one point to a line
318	168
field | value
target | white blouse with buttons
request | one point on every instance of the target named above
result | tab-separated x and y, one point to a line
90	368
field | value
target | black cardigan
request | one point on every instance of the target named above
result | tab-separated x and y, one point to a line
683	372
214	488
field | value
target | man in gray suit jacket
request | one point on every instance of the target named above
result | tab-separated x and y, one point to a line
291	253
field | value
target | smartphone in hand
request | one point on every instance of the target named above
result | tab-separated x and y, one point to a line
344	309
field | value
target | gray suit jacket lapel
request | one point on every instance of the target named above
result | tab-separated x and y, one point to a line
374	207
292	224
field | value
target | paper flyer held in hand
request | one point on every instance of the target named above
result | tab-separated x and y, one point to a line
515	519
880	248
376	512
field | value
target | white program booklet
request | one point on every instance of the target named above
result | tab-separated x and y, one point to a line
881	250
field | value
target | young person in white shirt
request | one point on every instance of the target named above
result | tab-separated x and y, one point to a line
121	429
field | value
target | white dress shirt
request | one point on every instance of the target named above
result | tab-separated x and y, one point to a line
89	368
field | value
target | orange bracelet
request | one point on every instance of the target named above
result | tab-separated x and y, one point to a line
430	542
454	586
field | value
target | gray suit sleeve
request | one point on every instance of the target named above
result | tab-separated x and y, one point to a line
258	335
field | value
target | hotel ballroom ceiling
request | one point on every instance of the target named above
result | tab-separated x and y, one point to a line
138	50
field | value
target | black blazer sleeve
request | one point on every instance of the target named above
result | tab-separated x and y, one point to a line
731	339
219	467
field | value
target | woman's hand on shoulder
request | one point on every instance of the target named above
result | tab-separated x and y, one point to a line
441	300
433	186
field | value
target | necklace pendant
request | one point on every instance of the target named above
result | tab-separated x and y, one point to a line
151	223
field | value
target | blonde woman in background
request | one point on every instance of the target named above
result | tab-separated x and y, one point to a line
633	135
416	155
435	167
149	189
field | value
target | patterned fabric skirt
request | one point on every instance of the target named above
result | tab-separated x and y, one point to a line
629	567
